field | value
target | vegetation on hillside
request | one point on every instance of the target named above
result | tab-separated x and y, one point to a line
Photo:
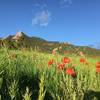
20	40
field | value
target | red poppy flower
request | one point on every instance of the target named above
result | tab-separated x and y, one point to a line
98	63
70	71
60	65
97	70
97	66
50	62
82	59
66	60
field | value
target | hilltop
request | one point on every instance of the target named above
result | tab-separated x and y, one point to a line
21	40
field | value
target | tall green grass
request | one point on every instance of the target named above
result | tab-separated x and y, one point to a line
27	75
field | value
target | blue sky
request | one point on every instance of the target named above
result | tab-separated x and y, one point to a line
74	21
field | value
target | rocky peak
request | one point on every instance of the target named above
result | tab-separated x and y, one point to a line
18	36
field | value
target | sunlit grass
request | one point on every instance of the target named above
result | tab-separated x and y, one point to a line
15	64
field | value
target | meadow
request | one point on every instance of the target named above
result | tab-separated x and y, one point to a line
33	75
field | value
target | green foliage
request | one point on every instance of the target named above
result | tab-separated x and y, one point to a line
42	91
1	79
27	95
53	83
13	89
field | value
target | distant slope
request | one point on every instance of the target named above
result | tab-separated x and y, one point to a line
20	40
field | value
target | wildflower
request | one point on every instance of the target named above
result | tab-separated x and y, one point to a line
54	50
98	63
66	60
70	71
60	65
81	54
98	67
82	60
60	48
50	62
97	70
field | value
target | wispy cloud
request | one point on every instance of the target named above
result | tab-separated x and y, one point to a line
43	6
40	4
41	18
65	3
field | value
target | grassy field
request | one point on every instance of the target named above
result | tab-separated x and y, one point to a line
30	75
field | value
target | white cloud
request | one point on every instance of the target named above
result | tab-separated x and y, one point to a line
41	18
65	3
40	4
43	6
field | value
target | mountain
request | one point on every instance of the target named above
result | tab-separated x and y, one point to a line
21	40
